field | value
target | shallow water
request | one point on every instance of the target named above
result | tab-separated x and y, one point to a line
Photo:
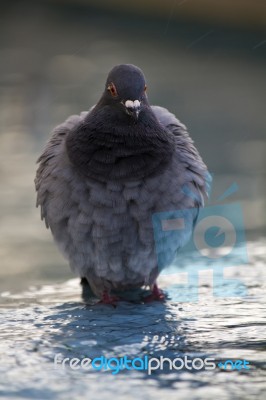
53	319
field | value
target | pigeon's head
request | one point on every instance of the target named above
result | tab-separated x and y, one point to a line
125	90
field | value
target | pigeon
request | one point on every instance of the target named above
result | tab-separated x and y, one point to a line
102	176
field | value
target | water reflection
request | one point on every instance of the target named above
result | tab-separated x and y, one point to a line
40	323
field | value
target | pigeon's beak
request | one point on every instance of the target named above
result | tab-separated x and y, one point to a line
132	108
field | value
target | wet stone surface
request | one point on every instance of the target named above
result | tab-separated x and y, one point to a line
51	320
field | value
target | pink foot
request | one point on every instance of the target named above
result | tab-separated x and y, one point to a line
108	299
156	295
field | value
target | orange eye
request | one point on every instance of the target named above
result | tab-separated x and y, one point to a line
112	89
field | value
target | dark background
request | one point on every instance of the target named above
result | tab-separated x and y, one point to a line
203	60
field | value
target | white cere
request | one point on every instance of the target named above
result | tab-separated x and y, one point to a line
132	104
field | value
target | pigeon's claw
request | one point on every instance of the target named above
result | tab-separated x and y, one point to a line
107	298
156	295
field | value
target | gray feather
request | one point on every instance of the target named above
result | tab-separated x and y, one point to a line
104	226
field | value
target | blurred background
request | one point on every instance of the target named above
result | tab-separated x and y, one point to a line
205	60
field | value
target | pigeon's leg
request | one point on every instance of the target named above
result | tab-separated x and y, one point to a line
156	295
84	281
109	299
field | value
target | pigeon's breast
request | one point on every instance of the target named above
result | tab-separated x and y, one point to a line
105	228
119	153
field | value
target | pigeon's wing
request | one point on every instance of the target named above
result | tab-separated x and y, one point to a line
51	166
197	180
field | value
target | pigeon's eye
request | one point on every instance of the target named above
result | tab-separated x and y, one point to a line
145	88
112	89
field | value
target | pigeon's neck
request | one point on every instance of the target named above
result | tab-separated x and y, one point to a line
105	147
